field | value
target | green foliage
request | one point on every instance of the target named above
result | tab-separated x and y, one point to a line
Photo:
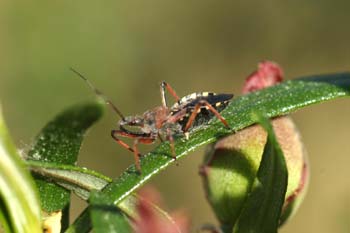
263	207
77	179
19	205
55	152
107	218
59	142
274	101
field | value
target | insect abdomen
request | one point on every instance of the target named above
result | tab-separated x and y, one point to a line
188	102
192	99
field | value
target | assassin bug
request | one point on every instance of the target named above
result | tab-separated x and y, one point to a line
164	122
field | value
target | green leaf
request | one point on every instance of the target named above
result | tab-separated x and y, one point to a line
77	179
59	142
278	100
82	181
106	218
5	219
263	207
18	192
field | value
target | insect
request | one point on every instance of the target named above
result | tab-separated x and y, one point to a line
165	122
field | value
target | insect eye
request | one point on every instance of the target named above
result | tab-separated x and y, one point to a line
138	121
135	122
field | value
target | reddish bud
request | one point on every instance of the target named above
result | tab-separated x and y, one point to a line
152	220
267	74
231	163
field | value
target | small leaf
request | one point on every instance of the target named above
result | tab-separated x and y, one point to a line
19	203
81	224
59	142
274	101
106	218
263	207
77	179
82	181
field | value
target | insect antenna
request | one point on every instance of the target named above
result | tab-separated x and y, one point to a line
99	93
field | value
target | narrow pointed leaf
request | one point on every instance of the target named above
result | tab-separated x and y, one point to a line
263	207
274	101
107	218
19	205
77	179
59	142
83	181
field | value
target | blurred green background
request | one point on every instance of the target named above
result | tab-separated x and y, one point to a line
127	47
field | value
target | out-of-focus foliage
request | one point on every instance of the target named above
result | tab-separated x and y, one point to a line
59	142
125	48
19	204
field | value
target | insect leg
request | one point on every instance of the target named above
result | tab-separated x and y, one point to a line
114	134
197	110
172	143
164	86
177	116
160	137
134	150
137	155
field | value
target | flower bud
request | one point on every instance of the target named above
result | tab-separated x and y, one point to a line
231	165
151	219
268	74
